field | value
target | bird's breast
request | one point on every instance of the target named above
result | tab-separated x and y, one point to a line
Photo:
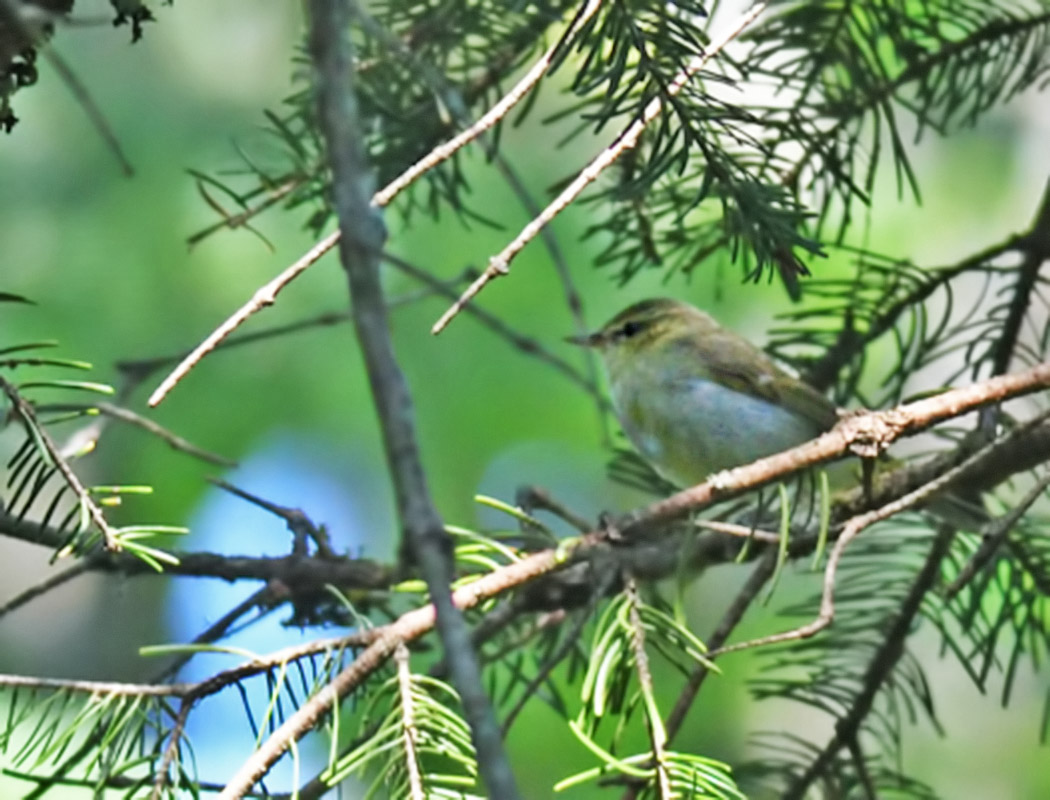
691	427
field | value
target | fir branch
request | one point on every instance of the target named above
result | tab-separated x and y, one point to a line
993	538
264	296
851	529
410	733
882	663
1035	245
499	264
110	538
494	115
657	732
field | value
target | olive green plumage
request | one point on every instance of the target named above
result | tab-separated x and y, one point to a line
695	398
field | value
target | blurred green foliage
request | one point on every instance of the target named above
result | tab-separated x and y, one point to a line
106	260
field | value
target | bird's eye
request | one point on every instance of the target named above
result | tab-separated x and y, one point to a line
629	329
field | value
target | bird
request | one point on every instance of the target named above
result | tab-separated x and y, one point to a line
695	398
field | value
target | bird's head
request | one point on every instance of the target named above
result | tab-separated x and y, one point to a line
646	329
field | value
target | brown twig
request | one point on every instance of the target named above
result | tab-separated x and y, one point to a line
532	497
570	640
850	531
297	573
740	531
265	598
1035	245
499	264
172	439
264	296
267	294
108	688
760	575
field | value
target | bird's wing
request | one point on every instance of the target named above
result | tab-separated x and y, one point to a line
736	363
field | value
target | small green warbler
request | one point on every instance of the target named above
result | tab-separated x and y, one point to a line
695	398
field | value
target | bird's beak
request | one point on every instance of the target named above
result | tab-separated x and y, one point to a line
587	340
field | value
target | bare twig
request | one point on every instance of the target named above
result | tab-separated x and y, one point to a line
130	417
306	575
264	296
45	586
525	344
531	497
111	688
175	441
171	750
44	784
137	370
267	294
499	264
762	572
261	598
570	640
301	526
287	655
740	531
1035	245
572	296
